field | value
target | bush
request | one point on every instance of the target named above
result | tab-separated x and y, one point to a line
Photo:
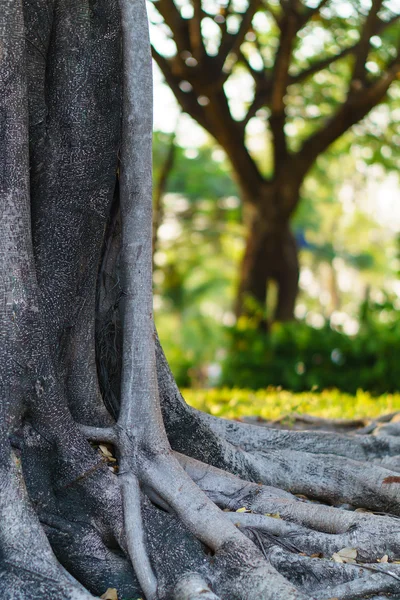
298	357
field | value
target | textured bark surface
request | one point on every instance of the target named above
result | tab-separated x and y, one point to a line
107	478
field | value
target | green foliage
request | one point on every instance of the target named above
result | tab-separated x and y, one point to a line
274	403
199	245
350	257
198	174
299	357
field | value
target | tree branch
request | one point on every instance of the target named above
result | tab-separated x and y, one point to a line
263	82
262	93
187	100
320	65
196	39
230	135
363	47
358	105
259	76
175	22
217	120
280	80
232	42
326	62
261	98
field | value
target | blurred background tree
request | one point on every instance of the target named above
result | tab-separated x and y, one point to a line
346	226
296	77
347	333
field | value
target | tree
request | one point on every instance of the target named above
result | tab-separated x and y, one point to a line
315	69
68	520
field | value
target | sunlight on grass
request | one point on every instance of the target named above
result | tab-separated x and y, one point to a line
273	403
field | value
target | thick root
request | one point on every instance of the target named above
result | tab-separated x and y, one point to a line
304	526
253	556
327	580
253	438
82	515
193	587
250	575
28	567
333	479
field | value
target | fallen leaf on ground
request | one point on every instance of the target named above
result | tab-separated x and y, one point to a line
345	555
104	450
243	509
384	559
110	594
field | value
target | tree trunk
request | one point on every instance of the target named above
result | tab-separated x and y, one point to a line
270	255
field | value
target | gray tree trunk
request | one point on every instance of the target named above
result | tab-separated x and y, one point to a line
107	478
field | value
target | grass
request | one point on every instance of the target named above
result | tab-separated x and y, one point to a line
272	403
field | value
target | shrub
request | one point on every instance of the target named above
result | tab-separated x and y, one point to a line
298	357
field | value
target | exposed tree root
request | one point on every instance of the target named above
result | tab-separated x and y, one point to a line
23	573
193	587
300	526
360	447
309	527
332	580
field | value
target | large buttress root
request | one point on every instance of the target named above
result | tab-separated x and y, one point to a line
23	573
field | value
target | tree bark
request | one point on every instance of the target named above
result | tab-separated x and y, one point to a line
270	255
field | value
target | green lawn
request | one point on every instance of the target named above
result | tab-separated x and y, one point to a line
275	403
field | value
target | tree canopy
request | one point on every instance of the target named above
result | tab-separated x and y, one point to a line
307	71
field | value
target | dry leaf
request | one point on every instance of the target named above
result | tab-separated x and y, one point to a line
104	450
384	559
110	594
345	555
243	509
273	515
348	552
337	558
